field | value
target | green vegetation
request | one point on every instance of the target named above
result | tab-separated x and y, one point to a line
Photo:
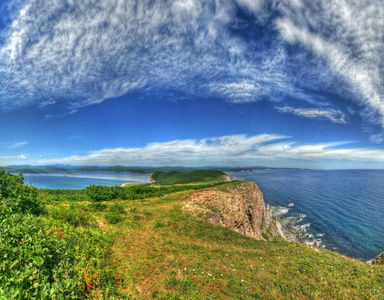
98	193
196	176
379	260
66	245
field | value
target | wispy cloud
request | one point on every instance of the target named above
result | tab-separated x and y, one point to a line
75	137
341	35
78	53
220	150
16	145
12	158
335	116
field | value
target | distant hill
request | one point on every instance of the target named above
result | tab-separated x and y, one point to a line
196	176
28	169
66	168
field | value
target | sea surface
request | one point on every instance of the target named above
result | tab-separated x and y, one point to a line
82	179
344	208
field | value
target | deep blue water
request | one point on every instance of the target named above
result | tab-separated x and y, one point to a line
82	180
346	205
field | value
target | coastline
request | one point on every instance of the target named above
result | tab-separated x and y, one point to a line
294	228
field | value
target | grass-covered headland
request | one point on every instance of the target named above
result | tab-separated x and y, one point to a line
195	176
136	243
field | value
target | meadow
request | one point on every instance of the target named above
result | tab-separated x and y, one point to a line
136	243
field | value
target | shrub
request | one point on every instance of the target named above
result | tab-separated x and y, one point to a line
117	208
76	214
36	265
99	193
113	217
16	197
98	206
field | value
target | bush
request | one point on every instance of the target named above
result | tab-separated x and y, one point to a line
117	208
36	265
114	214
76	215
98	206
99	193
16	197
113	217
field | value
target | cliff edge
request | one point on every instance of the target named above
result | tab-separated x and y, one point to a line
238	206
379	260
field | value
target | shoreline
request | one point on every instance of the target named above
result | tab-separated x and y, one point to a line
294	228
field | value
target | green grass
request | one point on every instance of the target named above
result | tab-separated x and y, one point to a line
156	251
196	176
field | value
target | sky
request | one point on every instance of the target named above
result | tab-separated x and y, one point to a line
235	83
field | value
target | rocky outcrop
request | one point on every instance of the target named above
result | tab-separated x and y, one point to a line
379	260
238	206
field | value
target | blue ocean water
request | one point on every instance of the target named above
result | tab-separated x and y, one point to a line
82	180
346	205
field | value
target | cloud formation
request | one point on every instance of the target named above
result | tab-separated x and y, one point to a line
71	54
12	158
17	145
221	150
332	115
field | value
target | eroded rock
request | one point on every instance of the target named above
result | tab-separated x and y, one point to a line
238	206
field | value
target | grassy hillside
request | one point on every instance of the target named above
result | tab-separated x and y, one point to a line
149	248
196	176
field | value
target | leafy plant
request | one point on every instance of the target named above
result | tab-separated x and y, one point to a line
76	214
113	217
16	197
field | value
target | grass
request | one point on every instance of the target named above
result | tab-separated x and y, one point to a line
160	252
196	177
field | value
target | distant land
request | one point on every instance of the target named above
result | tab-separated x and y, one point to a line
46	169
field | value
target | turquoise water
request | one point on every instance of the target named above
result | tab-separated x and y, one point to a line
345	208
82	180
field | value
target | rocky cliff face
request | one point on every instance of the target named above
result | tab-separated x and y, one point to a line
379	260
238	206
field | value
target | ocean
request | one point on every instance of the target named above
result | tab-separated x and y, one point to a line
343	208
82	180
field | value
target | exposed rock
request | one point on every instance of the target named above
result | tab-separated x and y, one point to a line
238	206
379	260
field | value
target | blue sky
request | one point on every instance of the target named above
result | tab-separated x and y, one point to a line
290	83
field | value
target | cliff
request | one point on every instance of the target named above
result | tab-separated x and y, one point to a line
238	206
379	260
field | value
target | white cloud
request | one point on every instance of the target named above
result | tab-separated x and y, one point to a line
348	36
219	150
10	158
335	116
17	145
243	91
77	53
377	138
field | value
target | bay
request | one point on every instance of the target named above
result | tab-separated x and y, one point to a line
82	179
